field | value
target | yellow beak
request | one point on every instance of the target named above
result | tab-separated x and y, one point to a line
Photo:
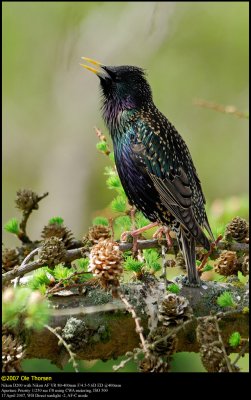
96	71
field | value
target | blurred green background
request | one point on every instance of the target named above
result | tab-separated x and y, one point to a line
50	104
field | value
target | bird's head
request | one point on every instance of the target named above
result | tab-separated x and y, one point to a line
123	87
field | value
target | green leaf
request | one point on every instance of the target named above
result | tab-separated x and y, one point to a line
119	204
152	259
13	306
113	182
110	171
235	339
56	220
173	288
226	300
111	156
82	264
37	315
207	268
39	278
61	272
243	279
102	146
100	221
141	220
218	230
20	306
131	264
12	226
123	222
42	288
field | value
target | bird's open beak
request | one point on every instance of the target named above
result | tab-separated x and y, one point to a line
99	71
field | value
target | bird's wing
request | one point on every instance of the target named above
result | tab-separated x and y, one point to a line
162	162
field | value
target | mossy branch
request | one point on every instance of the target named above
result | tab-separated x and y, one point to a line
100	313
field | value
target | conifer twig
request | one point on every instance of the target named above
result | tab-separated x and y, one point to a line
22	234
220	108
66	345
242	352
102	138
58	287
228	363
30	255
139	328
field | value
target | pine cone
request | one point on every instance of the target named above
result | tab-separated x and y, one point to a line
211	356
237	229
153	364
98	232
245	266
180	261
227	263
53	252
12	354
211	352
206	331
166	347
105	262
174	310
9	259
26	200
60	231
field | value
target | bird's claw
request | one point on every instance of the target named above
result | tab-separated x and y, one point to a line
158	235
124	236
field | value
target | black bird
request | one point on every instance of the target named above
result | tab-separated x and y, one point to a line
153	162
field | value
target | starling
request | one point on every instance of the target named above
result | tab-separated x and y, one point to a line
152	160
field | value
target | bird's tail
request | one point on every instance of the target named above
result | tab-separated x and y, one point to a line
187	246
208	228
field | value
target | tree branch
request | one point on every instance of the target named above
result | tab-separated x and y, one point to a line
22	234
80	252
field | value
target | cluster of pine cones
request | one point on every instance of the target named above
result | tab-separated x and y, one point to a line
13	352
228	263
211	351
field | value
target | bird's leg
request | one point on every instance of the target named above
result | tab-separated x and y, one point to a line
164	265
137	232
165	230
132	215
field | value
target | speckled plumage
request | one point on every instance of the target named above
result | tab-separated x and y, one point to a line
153	161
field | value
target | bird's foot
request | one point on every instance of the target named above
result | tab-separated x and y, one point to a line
135	234
158	235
